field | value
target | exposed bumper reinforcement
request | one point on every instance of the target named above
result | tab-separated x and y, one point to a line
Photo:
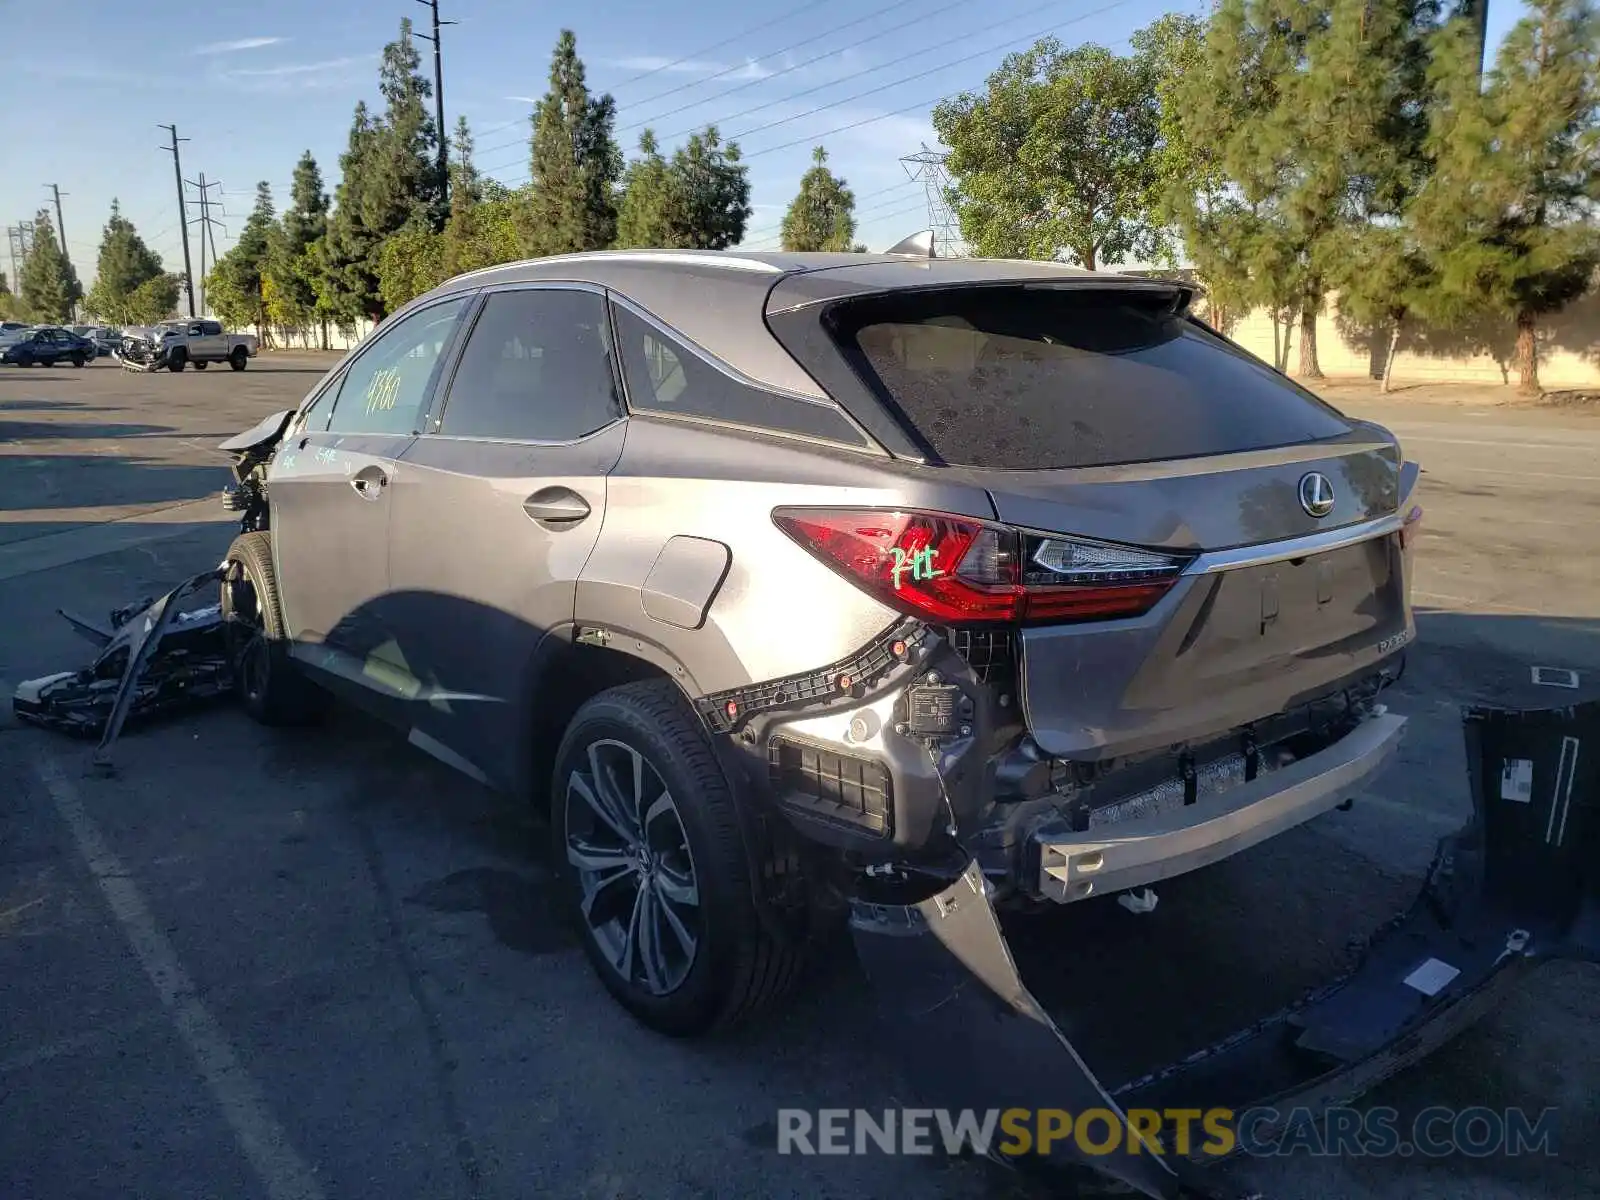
1518	885
1144	850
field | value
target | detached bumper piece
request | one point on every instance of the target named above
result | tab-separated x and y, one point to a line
154	659
1520	884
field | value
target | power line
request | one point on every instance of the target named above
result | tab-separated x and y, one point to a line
678	62
904	212
883	87
871	16
792	96
183	211
763	232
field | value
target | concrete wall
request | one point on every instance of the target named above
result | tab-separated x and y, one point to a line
1569	348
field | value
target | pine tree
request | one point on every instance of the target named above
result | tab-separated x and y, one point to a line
404	184
346	276
1508	212
822	215
48	284
291	266
235	286
575	163
711	193
644	216
125	264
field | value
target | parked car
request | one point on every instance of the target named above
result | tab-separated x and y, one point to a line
202	342
9	327
770	576
45	346
105	339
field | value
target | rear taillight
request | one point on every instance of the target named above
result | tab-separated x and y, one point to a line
957	570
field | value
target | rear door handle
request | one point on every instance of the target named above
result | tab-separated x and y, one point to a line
557	506
369	482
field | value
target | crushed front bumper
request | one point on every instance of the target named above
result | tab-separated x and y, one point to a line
1520	884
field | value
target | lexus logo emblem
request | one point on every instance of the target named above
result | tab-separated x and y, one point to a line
1316	494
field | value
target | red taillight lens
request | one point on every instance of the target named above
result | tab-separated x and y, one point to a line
959	570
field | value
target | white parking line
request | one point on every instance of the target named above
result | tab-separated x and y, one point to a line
282	1171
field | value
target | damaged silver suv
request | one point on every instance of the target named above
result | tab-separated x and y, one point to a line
778	580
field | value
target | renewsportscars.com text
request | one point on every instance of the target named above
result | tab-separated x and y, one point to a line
1435	1132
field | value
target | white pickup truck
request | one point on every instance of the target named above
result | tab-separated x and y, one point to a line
176	344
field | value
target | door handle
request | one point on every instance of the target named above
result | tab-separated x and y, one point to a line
556	506
369	482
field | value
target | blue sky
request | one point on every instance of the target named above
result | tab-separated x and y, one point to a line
252	85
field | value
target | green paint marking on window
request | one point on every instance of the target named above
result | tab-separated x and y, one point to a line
918	562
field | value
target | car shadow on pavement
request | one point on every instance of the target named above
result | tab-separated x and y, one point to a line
37	482
60	431
34	405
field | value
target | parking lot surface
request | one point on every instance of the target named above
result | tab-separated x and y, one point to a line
297	964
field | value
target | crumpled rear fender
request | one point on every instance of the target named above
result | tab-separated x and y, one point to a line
1519	885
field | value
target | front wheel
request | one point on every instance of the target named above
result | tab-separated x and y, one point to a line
238	358
177	360
652	862
77	359
273	689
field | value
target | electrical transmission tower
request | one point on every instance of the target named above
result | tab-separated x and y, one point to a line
927	167
206	222
19	238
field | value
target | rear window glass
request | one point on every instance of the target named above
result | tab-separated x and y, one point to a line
1029	378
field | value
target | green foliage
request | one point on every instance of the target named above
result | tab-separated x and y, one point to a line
1308	119
47	283
822	214
290	272
125	265
154	300
345	275
700	200
411	262
1058	157
1508	214
11	307
234	289
575	163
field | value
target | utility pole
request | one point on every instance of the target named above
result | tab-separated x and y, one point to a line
438	95
20	239
205	221
61	236
183	211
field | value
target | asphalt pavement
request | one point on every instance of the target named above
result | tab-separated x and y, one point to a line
318	964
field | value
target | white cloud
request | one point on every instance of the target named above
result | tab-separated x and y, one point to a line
314	68
250	43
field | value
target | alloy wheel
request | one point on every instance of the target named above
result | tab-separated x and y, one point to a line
626	841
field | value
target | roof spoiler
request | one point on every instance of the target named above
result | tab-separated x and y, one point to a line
918	245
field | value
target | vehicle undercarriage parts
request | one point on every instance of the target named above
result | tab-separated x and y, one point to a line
142	354
1517	886
154	659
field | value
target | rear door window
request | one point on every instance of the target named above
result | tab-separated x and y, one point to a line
536	367
1023	378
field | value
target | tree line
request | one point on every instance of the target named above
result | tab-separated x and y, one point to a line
394	227
1294	150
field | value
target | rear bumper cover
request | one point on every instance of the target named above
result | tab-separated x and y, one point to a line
1520	884
1144	850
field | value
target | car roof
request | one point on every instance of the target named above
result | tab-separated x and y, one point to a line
719	299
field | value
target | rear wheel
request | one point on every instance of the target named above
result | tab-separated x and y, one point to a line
651	860
238	358
272	687
177	360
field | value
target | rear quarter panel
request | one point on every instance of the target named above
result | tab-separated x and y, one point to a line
778	611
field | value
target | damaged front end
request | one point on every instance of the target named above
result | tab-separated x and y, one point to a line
158	655
1517	886
142	349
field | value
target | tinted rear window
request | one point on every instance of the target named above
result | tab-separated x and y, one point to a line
1031	378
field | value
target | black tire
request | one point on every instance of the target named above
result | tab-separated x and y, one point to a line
238	358
177	360
738	969
77	359
200	366
270	685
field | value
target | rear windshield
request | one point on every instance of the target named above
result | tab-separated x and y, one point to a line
1016	378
